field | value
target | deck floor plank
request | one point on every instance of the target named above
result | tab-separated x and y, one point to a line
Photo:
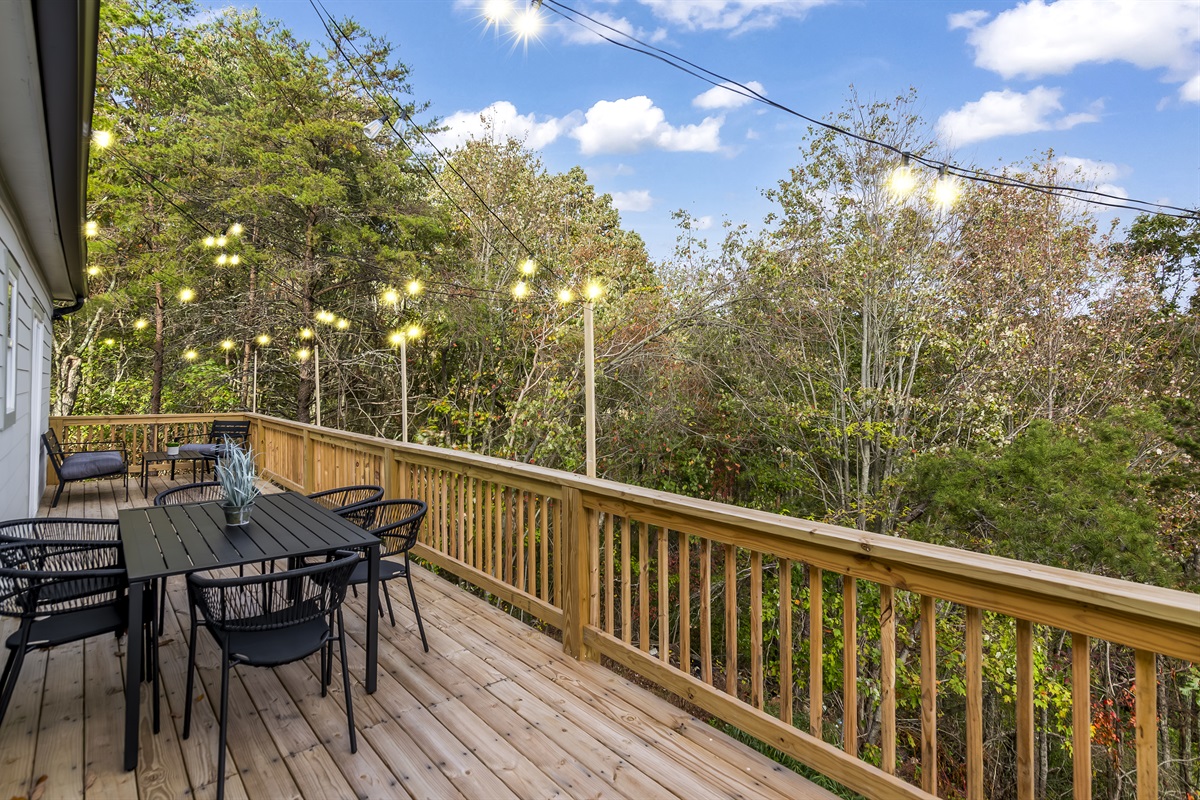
494	710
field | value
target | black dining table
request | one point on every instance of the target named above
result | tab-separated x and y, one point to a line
161	541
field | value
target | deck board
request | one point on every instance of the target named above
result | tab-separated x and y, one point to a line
494	710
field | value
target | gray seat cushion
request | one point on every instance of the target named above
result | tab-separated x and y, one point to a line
205	450
78	466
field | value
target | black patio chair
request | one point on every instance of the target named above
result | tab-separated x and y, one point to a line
396	522
60	529
269	620
78	462
348	496
210	449
61	591
204	492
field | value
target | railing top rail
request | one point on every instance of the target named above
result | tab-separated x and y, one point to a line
773	533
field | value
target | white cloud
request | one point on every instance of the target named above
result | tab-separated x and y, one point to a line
1190	91
499	121
1088	171
1038	38
583	33
635	123
1008	113
737	16
702	223
967	19
637	200
731	97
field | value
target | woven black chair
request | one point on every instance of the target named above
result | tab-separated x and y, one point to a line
204	492
269	620
60	529
61	591
79	462
347	496
396	522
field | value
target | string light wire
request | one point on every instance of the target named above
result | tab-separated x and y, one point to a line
1091	196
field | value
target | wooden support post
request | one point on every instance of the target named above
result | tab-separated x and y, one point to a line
576	574
1145	678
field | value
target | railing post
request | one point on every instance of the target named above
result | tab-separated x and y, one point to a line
309	466
577	569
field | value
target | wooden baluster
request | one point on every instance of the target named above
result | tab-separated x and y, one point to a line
1081	715
685	601
786	700
887	678
928	695
731	620
973	644
663	570
756	630
543	505
472	503
1025	733
593	556
644	586
706	651
489	536
519	536
1145	676
609	584
558	550
816	643
531	538
850	665
626	584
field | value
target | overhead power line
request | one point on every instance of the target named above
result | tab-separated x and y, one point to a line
1090	196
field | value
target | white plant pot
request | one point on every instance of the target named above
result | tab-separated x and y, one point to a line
173	451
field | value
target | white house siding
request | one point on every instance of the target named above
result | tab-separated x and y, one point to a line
21	480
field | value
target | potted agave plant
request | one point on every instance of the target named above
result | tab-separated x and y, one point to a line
238	478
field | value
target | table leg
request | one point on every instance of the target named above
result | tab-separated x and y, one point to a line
372	618
145	478
133	673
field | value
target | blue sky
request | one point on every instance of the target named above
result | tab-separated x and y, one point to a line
1112	86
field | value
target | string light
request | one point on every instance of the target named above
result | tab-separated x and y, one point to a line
306	333
102	138
190	355
235	229
521	290
222	260
945	191
593	291
110	341
528	266
234	260
414	287
565	296
372	128
902	180
228	344
527	24
187	295
496	11
391	296
414	331
343	324
303	353
140	324
91	229
396	338
262	339
221	241
326	316
93	271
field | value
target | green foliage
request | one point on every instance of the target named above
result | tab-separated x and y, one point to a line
1056	497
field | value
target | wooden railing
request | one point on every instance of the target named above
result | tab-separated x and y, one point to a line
702	598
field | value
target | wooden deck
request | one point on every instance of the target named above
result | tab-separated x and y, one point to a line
494	710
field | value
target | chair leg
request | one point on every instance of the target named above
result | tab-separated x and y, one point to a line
191	677
346	684
58	493
12	671
387	597
412	593
325	656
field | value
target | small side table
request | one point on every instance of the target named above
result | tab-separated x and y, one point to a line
162	458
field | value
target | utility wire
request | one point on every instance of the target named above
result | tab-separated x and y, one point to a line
716	79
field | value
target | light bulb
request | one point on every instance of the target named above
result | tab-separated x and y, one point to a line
262	339
102	138
140	324
496	11
391	296
234	260
303	353
222	241
343	324
228	344
521	290
565	296
93	271
110	342
396	338
945	191
235	229
190	355
413	332
222	260
91	228
902	180
593	291
372	128
414	287
306	333
528	266
187	295
527	25
210	241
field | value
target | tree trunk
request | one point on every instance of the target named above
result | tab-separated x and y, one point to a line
156	364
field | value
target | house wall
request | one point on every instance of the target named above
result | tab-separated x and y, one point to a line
22	460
